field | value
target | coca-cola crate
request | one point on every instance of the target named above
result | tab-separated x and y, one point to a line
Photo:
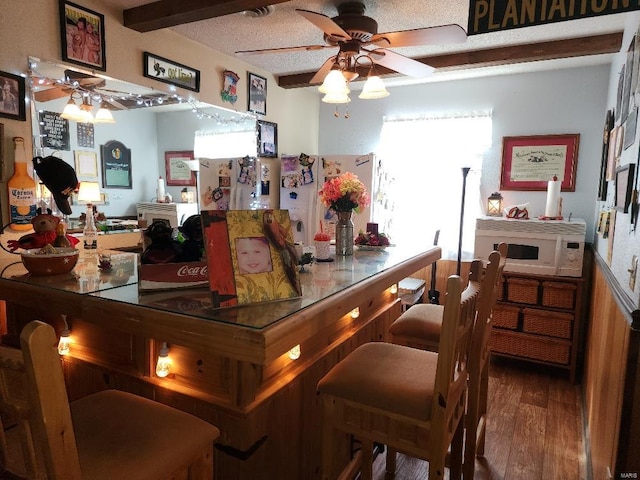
165	276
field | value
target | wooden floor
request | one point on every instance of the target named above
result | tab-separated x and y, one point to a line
534	428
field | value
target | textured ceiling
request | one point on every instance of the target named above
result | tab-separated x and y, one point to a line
285	28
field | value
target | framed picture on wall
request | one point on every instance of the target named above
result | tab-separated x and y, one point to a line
257	88
86	164
529	163
267	139
177	171
82	35
12	90
624	187
116	165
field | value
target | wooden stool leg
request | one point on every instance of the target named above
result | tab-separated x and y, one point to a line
455	464
482	410
391	461
366	469
328	443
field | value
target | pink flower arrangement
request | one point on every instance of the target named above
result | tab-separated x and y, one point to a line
344	193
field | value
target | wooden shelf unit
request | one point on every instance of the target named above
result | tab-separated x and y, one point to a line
538	318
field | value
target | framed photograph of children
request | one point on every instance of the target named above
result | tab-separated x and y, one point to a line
12	88
82	34
257	87
267	139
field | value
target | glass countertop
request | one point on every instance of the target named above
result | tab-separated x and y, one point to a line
319	281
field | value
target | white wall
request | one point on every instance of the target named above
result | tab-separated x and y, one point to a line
623	243
549	102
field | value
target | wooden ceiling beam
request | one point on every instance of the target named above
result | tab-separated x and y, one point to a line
567	48
169	13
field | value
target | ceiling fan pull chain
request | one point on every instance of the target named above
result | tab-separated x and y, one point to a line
346	113
336	113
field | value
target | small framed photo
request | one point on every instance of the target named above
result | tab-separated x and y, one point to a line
257	94
86	164
177	171
82	34
267	139
624	187
171	72
529	163
12	90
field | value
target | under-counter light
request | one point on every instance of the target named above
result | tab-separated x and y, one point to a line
294	353
393	289
164	362
355	313
64	344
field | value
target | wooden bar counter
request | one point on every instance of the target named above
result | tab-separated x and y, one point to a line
230	367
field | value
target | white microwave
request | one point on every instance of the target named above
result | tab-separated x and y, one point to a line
543	247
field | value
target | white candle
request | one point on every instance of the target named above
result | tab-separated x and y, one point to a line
553	198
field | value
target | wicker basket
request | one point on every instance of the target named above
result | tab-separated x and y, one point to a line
545	349
558	294
522	290
555	324
506	316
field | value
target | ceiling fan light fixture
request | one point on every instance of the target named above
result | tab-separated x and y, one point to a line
334	84
71	110
85	111
103	115
373	88
336	98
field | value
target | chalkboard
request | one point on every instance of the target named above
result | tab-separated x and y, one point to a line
54	131
116	165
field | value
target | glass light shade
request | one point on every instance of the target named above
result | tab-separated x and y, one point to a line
71	110
336	98
103	115
164	362
294	353
64	344
373	88
334	83
89	192
494	205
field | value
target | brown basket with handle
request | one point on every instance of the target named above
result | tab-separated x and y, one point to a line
555	324
522	290
546	349
558	294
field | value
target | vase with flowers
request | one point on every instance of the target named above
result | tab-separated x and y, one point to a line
344	195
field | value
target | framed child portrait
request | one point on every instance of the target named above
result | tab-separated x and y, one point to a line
82	35
251	256
12	90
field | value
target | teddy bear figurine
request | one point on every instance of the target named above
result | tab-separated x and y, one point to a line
44	226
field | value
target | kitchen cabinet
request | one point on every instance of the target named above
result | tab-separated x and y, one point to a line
538	318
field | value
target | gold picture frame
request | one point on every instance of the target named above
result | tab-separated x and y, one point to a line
86	163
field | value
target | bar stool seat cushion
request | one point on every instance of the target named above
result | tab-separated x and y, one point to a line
423	321
408	373
131	426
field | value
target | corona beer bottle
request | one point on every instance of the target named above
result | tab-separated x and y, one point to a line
22	190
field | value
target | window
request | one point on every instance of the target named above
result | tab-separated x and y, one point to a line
418	182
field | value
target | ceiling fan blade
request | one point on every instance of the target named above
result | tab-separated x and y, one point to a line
324	69
306	48
400	63
326	24
444	34
50	94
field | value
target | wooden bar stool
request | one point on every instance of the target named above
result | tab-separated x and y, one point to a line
420	327
411	400
107	435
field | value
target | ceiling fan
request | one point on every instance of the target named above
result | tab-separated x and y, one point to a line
351	31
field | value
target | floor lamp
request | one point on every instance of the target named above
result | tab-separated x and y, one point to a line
465	172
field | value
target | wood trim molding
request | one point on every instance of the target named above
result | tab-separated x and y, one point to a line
627	308
169	13
566	48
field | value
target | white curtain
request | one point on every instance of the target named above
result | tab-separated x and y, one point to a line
226	144
419	180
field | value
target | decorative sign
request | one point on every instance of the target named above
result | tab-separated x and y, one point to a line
86	135
54	131
116	165
494	15
229	91
171	72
